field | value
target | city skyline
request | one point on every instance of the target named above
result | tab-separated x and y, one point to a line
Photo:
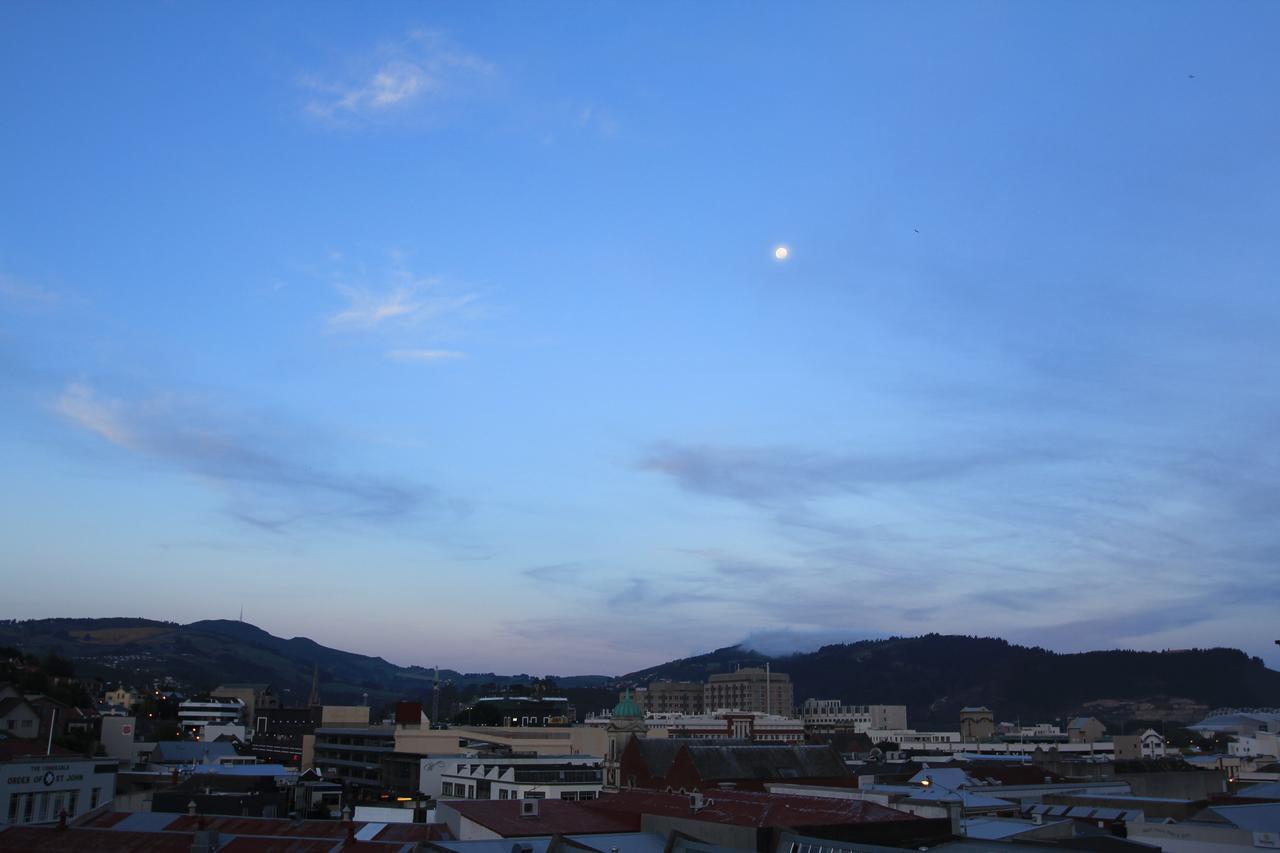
458	334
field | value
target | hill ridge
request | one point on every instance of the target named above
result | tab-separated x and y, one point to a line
933	674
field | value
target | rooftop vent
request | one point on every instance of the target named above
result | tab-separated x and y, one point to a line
529	808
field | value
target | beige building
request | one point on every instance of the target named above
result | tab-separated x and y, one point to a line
977	723
1085	730
256	697
749	689
830	715
671	697
122	696
345	715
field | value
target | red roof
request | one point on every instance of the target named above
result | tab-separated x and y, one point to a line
288	845
49	840
750	808
238	835
260	826
554	816
411	832
104	820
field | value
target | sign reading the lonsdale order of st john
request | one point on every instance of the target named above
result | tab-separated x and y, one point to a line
46	775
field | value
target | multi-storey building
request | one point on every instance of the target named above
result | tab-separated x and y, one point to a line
43	789
749	689
551	777
909	739
256	698
279	733
354	755
739	725
672	697
195	714
829	715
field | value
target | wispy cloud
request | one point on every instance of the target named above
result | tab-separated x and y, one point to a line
79	404
766	475
971	537
406	312
407	301
790	641
266	485
426	356
555	572
422	68
16	290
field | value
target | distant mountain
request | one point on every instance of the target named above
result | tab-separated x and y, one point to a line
936	675
204	654
933	675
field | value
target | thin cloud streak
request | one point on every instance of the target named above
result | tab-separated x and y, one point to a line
766	475
24	292
426	356
268	489
416	301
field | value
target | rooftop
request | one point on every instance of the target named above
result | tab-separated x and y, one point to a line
750	808
555	817
126	832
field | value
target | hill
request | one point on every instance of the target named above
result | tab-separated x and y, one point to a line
933	675
202	655
936	675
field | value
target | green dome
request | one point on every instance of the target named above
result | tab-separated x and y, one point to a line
628	707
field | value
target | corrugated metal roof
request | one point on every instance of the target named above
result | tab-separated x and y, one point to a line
1262	790
766	762
1258	817
555	817
749	808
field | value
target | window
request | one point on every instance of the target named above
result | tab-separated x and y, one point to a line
13	808
94	795
28	804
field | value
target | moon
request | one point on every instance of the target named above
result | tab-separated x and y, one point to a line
781	253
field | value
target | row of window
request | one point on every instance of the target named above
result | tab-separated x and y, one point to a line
46	806
460	791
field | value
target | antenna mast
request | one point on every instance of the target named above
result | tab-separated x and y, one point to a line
435	699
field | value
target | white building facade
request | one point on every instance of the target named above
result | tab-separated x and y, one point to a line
829	715
40	790
554	777
195	714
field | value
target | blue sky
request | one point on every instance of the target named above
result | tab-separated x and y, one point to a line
453	332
